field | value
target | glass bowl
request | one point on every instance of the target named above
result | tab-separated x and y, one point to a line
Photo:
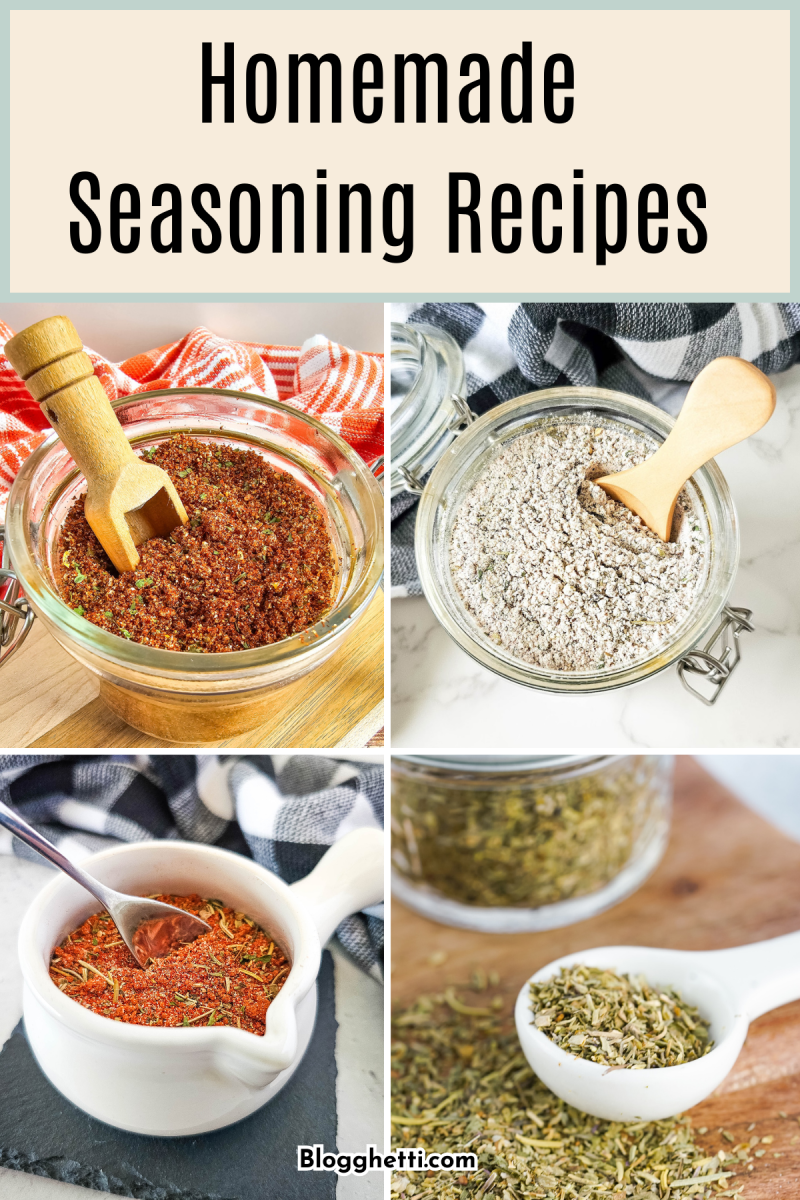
192	697
468	456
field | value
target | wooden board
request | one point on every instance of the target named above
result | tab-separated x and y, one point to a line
728	877
50	701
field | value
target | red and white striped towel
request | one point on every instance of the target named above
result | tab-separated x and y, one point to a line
340	387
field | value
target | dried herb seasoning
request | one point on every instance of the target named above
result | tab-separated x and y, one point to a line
460	1081
228	976
523	840
254	564
618	1020
558	573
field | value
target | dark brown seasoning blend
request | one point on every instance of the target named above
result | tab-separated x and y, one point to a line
254	564
228	976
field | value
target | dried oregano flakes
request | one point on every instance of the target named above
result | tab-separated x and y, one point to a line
524	840
460	1081
618	1020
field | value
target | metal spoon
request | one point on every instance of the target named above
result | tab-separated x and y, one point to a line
148	928
730	987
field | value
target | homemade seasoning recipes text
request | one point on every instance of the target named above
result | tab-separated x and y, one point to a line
254	564
228	976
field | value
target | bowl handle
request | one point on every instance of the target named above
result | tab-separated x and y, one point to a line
349	877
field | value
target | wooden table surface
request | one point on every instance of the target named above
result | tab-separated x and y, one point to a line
728	877
48	701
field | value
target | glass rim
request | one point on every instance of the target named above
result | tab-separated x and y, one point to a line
153	660
502	764
422	422
411	334
708	480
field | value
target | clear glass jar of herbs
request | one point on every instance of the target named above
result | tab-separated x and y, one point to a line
514	843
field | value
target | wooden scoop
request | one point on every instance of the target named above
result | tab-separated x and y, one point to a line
729	400
127	501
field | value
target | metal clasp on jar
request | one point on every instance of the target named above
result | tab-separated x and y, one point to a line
13	608
718	667
463	415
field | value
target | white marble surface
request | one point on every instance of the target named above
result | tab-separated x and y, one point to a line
359	1047
442	699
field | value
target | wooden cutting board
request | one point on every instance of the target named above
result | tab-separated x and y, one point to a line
728	877
50	702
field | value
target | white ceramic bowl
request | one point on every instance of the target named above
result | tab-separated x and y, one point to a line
174	1082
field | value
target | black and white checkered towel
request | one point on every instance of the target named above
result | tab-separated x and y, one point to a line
652	351
283	811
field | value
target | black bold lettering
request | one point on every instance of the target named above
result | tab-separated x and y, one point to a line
499	214
456	210
322	214
692	189
95	231
577	214
405	239
206	189
118	215
525	62
345	193
249	190
421	65
481	85
360	85
314	65
545	189
602	244
278	193
173	215
261	117
645	216
551	86
208	81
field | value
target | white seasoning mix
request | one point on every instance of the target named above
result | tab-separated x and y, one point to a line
559	574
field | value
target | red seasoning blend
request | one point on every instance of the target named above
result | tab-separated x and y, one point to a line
228	976
254	564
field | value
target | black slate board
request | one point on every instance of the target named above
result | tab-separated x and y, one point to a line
43	1134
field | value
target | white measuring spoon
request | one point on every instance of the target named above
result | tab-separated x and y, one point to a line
729	987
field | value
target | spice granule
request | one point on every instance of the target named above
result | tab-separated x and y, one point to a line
558	573
254	564
228	976
461	1083
618	1020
